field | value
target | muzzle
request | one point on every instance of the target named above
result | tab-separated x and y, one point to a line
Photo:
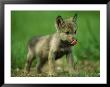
72	41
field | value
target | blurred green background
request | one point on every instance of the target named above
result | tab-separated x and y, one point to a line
26	24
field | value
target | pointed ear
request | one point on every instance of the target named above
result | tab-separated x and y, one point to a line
75	18
59	21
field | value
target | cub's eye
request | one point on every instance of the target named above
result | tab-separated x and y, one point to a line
67	32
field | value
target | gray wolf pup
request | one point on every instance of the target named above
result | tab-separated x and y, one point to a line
52	47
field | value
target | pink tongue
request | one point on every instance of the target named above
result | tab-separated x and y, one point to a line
74	42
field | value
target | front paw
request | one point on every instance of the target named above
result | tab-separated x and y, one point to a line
51	74
25	71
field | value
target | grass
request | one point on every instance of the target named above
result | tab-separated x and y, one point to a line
26	24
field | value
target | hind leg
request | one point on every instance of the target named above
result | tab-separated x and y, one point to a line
40	65
30	58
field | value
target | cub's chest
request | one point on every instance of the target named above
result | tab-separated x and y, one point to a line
61	52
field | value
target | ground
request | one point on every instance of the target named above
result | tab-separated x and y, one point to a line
84	68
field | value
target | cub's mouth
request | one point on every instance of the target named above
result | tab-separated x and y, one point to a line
73	42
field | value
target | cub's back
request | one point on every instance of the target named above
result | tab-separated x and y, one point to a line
42	44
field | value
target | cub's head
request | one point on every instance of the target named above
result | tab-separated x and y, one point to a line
67	29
